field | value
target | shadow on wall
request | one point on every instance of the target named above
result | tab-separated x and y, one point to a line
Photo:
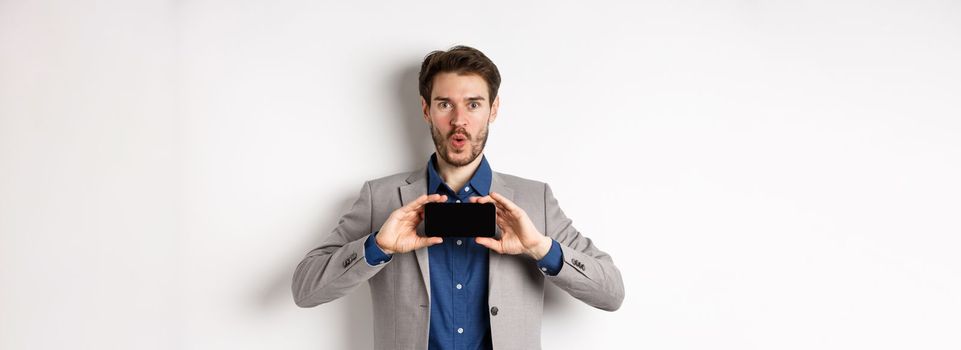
411	121
276	295
356	318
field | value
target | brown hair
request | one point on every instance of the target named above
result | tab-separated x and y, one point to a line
461	60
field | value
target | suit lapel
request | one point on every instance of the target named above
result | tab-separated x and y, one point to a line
416	187
497	185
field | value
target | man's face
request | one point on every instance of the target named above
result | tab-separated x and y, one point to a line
458	114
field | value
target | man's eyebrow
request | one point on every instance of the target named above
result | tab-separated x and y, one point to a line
472	98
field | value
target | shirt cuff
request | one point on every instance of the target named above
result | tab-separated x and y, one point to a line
372	253
551	263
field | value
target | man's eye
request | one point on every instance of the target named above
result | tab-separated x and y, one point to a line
444	105
474	105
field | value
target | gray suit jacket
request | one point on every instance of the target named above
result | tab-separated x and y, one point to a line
400	288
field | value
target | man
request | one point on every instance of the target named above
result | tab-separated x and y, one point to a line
458	292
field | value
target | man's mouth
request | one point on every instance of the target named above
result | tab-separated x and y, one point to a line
458	140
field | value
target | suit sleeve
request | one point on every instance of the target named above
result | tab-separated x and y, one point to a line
338	265
587	273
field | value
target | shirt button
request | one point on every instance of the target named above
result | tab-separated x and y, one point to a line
544	269
458	201
459	242
458	286
467	188
494	311
460	330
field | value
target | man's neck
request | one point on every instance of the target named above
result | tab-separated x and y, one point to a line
456	177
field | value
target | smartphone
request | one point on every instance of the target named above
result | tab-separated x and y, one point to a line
459	219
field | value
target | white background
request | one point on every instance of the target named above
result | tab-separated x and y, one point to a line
766	174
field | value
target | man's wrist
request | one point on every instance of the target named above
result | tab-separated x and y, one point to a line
542	248
372	252
381	246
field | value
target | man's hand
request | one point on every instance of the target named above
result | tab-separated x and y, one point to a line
399	232
518	234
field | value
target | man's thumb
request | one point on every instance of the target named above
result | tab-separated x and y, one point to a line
486	242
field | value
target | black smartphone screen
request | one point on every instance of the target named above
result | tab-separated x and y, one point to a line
459	219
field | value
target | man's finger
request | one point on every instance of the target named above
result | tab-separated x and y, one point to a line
504	213
424	199
490	243
427	242
434	240
482	200
430	199
489	199
504	225
417	202
502	203
510	206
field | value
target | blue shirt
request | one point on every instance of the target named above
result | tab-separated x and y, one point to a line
459	317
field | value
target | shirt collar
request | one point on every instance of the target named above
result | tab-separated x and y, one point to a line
481	181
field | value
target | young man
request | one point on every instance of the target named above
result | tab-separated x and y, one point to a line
458	292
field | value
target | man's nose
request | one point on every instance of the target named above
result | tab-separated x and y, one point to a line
459	118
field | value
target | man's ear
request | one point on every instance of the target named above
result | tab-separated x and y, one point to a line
426	108
494	107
